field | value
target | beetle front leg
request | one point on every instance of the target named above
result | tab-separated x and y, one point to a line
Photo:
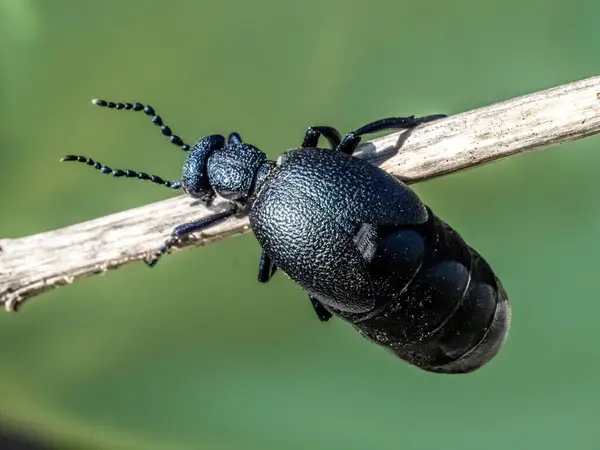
311	138
186	229
352	139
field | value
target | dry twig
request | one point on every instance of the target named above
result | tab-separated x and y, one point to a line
34	264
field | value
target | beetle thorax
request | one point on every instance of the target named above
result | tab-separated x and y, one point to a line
232	171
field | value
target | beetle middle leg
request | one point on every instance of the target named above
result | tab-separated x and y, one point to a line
267	269
311	138
352	139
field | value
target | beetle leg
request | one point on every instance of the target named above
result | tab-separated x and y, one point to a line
311	138
186	229
234	138
350	142
266	268
322	313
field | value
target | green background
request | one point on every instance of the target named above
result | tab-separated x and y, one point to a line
197	354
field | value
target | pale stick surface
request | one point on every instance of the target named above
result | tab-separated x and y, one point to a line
34	264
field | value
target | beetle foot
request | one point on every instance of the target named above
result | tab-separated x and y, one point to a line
152	260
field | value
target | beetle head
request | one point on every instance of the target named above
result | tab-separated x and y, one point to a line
194	179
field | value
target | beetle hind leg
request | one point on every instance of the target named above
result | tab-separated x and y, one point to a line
352	139
266	270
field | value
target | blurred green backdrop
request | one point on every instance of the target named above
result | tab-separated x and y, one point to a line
197	354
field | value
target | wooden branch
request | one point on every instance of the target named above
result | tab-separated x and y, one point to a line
34	264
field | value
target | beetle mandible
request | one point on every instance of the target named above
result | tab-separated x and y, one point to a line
357	239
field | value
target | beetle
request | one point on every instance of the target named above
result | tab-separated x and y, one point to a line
358	240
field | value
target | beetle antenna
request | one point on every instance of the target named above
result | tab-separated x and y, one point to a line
123	173
149	111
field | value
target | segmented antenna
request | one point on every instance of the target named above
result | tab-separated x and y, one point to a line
123	173
149	111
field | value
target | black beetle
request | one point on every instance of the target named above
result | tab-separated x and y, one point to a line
357	239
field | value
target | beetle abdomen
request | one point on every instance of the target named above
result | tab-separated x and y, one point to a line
364	245
453	314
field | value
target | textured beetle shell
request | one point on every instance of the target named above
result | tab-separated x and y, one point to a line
362	242
231	169
194	178
310	208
